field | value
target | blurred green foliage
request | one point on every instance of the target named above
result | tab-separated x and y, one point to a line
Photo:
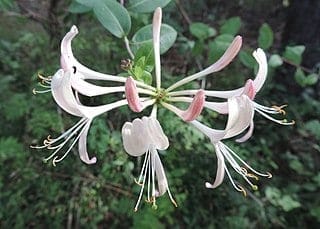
74	195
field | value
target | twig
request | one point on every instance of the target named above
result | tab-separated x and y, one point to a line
113	187
183	12
298	66
126	41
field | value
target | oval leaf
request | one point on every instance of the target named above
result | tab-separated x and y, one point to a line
113	16
201	30
146	6
265	39
168	36
231	26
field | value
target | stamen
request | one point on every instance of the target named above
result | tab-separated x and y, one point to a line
143	183
279	109
34	91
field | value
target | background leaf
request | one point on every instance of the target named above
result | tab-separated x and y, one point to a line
143	36
146	6
231	26
113	16
294	53
201	30
265	39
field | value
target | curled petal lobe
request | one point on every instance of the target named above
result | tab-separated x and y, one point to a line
156	134
132	95
62	93
83	146
220	170
261	76
195	107
135	138
160	174
247	135
228	56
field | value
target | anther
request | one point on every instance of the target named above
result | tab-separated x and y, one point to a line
242	190
254	187
252	176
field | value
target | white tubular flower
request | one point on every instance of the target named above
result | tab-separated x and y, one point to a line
250	89
145	136
241	112
62	91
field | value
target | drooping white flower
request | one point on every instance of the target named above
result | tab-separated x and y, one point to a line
145	136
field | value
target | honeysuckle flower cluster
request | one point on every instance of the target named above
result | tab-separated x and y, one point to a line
145	136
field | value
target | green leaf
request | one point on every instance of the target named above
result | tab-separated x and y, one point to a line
304	80
315	212
201	30
113	16
247	59
294	53
78	8
219	46
299	76
87	3
313	127
143	36
146	51
275	61
265	39
231	26
146	6
311	79
288	204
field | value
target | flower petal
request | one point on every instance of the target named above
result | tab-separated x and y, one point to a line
88	89
220	169
135	138
62	93
83	145
132	95
160	174
195	108
224	60
261	76
241	113
248	134
156	134
156	26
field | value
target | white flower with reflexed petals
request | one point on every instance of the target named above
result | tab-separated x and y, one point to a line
145	136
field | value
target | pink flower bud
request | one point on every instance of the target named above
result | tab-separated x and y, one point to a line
132	95
195	108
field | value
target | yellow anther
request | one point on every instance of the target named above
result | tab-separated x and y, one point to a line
242	190
279	109
252	176
34	91
254	187
137	182
46	142
244	170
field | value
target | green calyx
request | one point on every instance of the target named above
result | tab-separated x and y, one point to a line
161	95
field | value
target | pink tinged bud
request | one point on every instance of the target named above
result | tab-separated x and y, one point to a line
195	108
249	89
132	95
